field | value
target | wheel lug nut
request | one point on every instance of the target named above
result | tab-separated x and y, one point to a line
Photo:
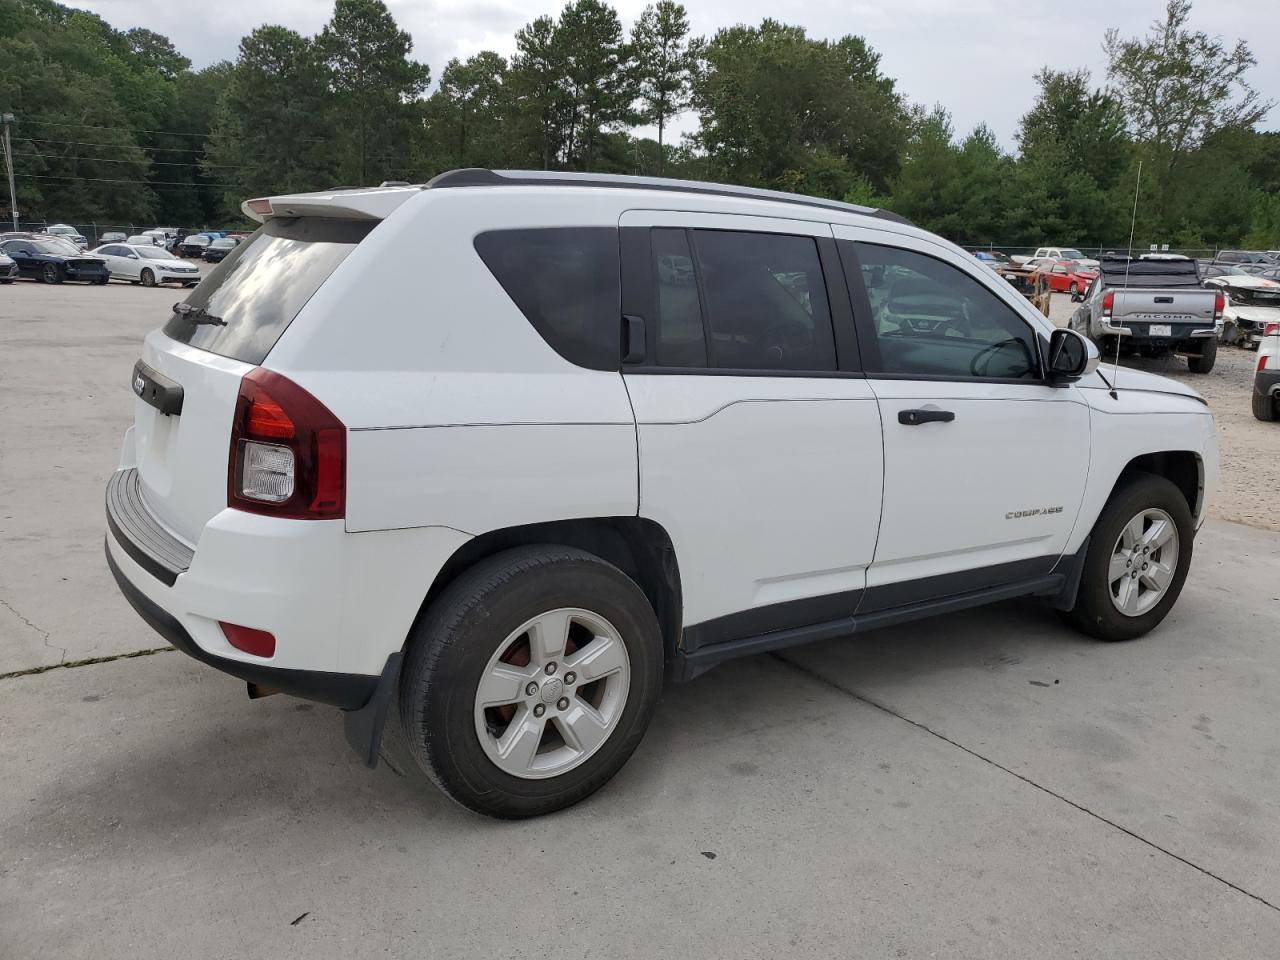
550	668
570	677
531	689
562	703
539	710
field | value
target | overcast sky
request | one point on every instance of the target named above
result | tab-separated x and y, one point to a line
976	57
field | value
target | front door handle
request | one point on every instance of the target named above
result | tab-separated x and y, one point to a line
913	418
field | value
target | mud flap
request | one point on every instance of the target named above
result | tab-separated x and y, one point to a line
363	727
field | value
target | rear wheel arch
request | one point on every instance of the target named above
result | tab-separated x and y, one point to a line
638	547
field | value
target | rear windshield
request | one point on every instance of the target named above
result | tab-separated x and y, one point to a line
248	300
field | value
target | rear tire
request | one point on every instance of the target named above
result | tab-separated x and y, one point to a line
481	630
148	278
51	273
1074	290
1264	406
1208	356
1099	601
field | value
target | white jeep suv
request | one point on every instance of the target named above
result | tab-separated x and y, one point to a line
503	451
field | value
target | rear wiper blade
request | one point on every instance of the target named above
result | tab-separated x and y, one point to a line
197	314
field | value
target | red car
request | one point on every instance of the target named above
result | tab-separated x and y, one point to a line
1068	276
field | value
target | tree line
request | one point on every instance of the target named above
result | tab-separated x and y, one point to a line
116	126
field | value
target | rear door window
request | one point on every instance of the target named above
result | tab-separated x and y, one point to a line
249	299
565	281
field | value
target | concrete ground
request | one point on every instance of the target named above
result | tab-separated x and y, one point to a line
986	785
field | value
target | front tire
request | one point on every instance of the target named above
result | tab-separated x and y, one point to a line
148	278
1137	561
1207	358
51	273
530	680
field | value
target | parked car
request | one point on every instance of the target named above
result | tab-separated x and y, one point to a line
193	245
287	511
1065	253
1251	303
53	260
112	236
992	258
147	264
1243	257
1266	377
8	269
1067	276
1152	308
218	249
140	240
68	232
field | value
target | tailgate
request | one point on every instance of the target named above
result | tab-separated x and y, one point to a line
225	329
182	456
1193	306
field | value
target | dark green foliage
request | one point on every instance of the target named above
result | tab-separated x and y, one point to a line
116	128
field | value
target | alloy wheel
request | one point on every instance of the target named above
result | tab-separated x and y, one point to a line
1143	562
552	693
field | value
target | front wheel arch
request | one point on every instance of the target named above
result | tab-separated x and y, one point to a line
1183	468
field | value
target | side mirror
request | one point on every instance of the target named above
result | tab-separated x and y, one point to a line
1071	356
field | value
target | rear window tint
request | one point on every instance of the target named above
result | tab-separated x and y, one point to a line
248	300
565	282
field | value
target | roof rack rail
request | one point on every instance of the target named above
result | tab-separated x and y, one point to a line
482	177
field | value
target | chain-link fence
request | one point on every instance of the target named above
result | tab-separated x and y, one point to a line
1094	253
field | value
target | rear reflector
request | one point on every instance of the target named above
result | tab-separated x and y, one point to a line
259	643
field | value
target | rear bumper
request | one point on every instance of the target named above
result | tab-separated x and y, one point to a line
350	691
1267	383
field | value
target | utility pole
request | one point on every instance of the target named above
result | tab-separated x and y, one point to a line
8	120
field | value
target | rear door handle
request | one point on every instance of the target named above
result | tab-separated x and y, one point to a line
913	418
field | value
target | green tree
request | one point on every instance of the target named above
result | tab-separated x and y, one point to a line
589	39
662	65
270	134
465	115
375	90
540	105
1179	85
774	106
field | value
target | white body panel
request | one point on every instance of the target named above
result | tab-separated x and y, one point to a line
462	420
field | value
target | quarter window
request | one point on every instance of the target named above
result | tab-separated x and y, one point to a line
565	282
738	300
931	319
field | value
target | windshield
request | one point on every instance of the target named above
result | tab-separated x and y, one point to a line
253	295
1070	253
60	248
155	253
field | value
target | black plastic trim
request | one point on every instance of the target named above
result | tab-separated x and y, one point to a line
483	177
797	622
363	727
151	546
154	388
350	691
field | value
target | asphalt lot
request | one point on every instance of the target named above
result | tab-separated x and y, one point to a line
988	785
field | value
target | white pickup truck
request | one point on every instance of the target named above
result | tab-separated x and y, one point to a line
1151	308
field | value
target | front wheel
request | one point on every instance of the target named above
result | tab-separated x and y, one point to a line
1138	557
1074	290
530	680
1208	356
52	273
148	278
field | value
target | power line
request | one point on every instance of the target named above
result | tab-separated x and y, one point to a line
149	183
155	163
169	133
85	143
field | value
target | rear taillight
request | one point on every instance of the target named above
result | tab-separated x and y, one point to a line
1262	363
1219	302
262	206
288	452
1270	329
1108	300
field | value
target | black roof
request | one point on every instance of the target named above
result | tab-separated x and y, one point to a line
481	177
